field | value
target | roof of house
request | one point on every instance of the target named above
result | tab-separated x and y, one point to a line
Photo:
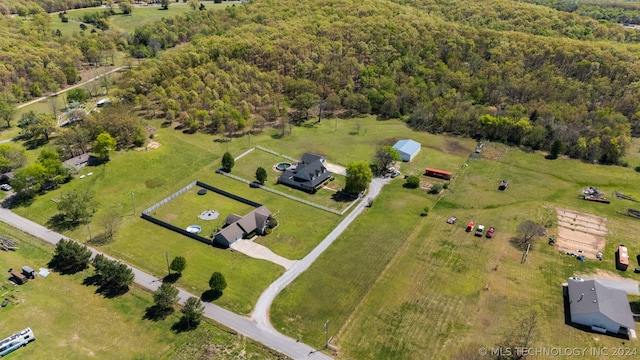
590	296
407	146
238	226
308	158
310	170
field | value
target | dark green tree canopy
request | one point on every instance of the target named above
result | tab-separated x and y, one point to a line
70	257
217	282
261	175
227	162
178	264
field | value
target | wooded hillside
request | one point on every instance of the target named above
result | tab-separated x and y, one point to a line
529	75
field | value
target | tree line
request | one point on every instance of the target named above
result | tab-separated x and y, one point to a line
279	63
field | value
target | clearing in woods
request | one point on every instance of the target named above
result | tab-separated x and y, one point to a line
580	231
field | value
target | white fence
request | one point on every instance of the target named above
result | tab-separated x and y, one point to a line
169	198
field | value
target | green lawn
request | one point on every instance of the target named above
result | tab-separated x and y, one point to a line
71	321
184	210
396	284
326	196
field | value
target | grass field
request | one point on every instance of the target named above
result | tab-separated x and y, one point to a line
70	321
397	285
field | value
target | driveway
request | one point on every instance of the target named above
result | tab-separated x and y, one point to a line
260	313
629	286
266	335
336	169
257	251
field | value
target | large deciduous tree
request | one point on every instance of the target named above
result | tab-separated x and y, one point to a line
104	144
8	111
359	176
528	231
77	206
384	157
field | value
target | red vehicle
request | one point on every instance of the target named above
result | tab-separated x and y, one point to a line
490	232
470	226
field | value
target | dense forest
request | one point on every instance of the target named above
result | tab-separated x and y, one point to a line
504	79
620	11
35	6
509	71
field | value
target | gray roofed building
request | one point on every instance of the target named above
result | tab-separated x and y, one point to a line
600	307
237	227
308	174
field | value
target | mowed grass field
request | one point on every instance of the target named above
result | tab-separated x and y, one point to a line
71	321
327	195
184	210
398	285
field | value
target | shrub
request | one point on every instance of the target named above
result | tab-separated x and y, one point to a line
425	211
435	189
412	182
637	168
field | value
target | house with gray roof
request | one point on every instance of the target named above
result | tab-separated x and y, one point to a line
308	175
602	308
237	227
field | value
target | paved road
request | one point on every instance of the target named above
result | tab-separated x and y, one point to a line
261	311
266	335
69	88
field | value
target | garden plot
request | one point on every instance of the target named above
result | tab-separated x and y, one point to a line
580	231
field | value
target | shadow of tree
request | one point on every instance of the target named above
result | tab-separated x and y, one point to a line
171	278
210	295
23	198
107	290
182	326
100	239
342	196
517	243
59	222
56	265
157	313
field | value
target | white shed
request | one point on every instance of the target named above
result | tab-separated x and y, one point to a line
602	308
408	149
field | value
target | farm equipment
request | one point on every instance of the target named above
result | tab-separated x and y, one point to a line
620	195
631	213
490	232
503	185
470	226
594	194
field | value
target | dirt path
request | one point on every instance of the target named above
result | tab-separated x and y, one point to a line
31	102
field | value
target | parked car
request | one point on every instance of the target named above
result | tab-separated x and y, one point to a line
479	230
395	173
636	270
5	187
490	232
452	220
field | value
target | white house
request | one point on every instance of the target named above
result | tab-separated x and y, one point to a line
602	308
408	149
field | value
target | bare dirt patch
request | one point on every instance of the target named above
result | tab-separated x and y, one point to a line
580	232
153	145
454	147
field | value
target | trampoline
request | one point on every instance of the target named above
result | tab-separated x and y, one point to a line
209	215
202	191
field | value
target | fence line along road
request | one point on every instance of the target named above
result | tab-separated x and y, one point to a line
264	334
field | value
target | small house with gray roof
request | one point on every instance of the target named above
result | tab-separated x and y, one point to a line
237	227
308	175
602	308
